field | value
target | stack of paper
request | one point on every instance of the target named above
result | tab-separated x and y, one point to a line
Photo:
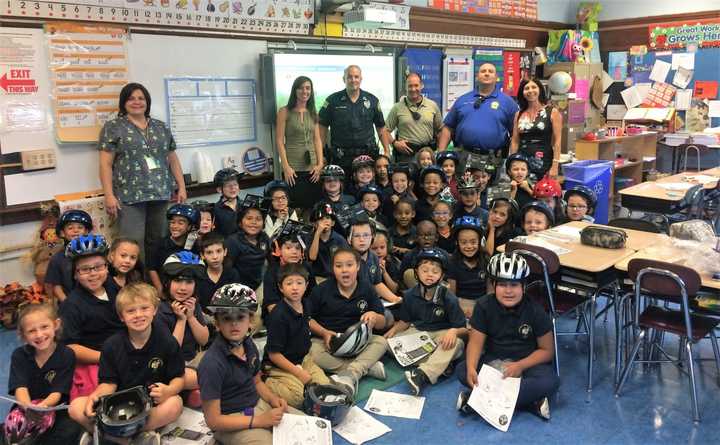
494	397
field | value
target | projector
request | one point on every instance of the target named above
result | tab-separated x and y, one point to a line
369	17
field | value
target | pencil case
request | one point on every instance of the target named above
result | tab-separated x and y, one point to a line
605	237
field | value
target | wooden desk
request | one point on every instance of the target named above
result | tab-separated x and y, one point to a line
712	172
636	240
683	177
650	197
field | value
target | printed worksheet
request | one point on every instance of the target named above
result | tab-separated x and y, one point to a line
297	429
494	397
411	348
189	429
359	427
394	404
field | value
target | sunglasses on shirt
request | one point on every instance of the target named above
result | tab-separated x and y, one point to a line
479	101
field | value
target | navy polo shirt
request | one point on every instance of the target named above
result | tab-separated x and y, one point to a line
469	281
335	312
506	236
87	320
477	212
225	377
225	218
271	287
288	333
166	318
55	375
423	210
158	361
487	128
322	266
522	197
428	315
511	333
370	271
161	251
60	272
447	244
247	258
388	208
205	288
406	241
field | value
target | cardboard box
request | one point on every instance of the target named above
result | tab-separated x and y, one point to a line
585	71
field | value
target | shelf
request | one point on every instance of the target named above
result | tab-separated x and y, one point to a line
628	164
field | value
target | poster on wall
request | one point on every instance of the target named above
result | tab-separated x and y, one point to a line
704	33
458	77
513	75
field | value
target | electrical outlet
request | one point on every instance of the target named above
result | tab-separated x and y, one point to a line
38	159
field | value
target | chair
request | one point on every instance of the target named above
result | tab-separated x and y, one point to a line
544	264
635	224
659	288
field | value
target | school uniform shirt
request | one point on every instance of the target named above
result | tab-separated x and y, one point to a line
225	217
166	318
447	244
335	312
392	267
522	197
247	258
370	271
54	376
87	320
470	281
161	251
406	241
506	236
288	333
60	272
430	315
477	212
271	287
388	208
322	266
158	361
224	376
512	333
408	261
423	210
205	288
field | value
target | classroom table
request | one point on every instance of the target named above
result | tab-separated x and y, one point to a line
588	266
651	197
636	239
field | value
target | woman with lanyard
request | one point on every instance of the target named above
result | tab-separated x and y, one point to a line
299	145
139	169
538	129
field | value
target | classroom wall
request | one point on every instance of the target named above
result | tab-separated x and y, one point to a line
564	10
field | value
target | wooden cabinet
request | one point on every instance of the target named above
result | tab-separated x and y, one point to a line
639	152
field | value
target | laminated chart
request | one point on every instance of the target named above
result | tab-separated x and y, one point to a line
88	68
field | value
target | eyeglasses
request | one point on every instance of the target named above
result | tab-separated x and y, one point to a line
87	270
279	199
362	235
441	213
577	207
471	242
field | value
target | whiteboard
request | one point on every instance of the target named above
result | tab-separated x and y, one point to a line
152	58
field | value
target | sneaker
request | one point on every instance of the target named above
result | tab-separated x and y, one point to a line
377	371
448	372
462	403
417	379
346	381
146	438
542	408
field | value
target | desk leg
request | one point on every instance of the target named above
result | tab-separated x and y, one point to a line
619	326
591	349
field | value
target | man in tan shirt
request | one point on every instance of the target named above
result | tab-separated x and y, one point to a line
417	119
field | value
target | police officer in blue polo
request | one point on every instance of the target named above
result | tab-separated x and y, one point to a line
480	122
353	116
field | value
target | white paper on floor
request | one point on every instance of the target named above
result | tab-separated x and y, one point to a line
394	404
359	427
298	429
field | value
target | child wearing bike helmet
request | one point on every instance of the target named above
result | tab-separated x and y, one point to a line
346	304
227	184
363	173
432	180
370	198
449	161
248	248
332	178
141	355
238	406
182	220
548	190
432	308
41	373
59	277
469	204
536	216
288	366
501	224
512	334
324	241
280	212
581	201
180	313
518	169
466	271
88	315
484	174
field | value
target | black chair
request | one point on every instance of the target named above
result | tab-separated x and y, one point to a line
659	288
635	224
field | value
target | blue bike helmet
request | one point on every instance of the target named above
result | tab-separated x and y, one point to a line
186	211
403	167
184	264
432	254
370	188
327	401
124	413
86	245
70	216
468	222
444	155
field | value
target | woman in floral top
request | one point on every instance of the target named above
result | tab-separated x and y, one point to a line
538	129
139	169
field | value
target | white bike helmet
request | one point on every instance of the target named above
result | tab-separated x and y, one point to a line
352	342
508	267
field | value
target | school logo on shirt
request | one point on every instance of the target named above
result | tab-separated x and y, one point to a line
373	269
494	105
524	330
155	363
362	305
50	376
439	312
366	102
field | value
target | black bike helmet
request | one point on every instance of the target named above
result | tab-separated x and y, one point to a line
370	188
432	169
585	192
517	156
332	172
276	184
403	167
71	216
432	254
327	401
444	155
321	210
468	183
184	264
226	175
540	207
124	413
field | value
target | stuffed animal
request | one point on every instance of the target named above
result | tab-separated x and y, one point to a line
46	243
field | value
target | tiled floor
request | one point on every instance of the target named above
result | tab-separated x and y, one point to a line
655	406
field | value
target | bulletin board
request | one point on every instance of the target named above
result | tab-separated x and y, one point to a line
150	64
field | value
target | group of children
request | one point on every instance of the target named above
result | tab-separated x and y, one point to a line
411	251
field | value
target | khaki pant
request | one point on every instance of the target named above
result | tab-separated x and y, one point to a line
409	278
289	387
435	364
254	436
195	362
357	366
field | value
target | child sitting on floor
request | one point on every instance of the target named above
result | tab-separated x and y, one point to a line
433	181
324	241
363	173
332	178
249	248
124	258
59	278
182	219
443	217
448	161
280	212
536	216
389	264
501	224
403	231
466	272
214	254
400	178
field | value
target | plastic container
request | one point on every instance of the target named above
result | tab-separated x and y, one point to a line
596	175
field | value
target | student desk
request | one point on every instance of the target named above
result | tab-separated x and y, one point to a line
650	197
636	239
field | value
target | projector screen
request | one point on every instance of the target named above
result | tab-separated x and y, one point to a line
326	72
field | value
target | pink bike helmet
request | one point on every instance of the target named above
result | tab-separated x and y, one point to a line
23	428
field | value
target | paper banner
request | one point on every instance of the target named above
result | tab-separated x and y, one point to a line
705	33
660	95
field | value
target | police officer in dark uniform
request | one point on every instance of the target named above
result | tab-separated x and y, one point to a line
353	115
